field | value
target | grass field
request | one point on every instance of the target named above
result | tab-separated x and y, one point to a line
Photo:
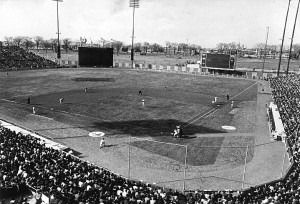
112	105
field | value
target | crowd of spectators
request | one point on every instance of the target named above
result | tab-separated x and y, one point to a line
13	58
68	179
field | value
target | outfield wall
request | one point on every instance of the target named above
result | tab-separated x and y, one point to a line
194	69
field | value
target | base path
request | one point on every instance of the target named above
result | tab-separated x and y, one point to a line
266	164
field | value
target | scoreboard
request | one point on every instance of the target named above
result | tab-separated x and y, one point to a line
95	57
217	60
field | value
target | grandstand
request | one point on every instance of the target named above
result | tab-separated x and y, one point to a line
49	169
17	58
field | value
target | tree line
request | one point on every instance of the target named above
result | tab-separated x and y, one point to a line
38	42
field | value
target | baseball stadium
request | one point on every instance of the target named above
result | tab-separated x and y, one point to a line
109	123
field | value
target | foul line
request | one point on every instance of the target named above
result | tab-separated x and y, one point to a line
212	111
41	116
244	90
201	116
158	141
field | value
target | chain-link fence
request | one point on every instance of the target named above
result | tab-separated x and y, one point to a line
176	166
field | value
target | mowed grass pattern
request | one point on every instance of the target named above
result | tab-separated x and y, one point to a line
114	106
201	151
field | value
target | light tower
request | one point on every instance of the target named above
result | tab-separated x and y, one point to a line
291	45
58	44
281	47
134	4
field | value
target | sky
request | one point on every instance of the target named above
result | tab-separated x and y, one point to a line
201	22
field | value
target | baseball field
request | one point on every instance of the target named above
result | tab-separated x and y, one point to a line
220	138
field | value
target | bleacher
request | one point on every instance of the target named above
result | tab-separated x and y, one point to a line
17	58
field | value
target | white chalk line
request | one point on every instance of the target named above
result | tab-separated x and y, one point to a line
244	90
215	109
41	116
201	116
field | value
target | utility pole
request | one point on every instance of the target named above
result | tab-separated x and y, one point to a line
58	43
291	45
280	52
265	48
134	4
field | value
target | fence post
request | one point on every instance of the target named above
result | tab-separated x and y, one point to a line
129	156
245	167
184	172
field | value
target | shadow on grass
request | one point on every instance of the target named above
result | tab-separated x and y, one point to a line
151	128
76	136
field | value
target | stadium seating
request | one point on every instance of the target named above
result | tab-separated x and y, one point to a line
62	177
16	58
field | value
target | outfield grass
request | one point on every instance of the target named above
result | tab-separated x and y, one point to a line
112	105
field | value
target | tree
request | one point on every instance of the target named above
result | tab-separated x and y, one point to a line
145	46
296	48
259	48
38	40
17	41
66	44
53	42
46	44
137	47
125	48
232	46
118	45
183	47
8	40
156	47
174	47
28	43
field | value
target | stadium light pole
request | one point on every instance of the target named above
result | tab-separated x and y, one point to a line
281	47
134	4
266	44
290	51
58	44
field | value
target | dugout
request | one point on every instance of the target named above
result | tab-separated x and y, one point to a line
95	57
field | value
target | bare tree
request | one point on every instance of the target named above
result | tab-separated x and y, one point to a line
17	41
118	45
137	47
184	48
66	44
38	40
53	42
157	48
232	46
8	40
259	49
28	43
46	44
145	46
